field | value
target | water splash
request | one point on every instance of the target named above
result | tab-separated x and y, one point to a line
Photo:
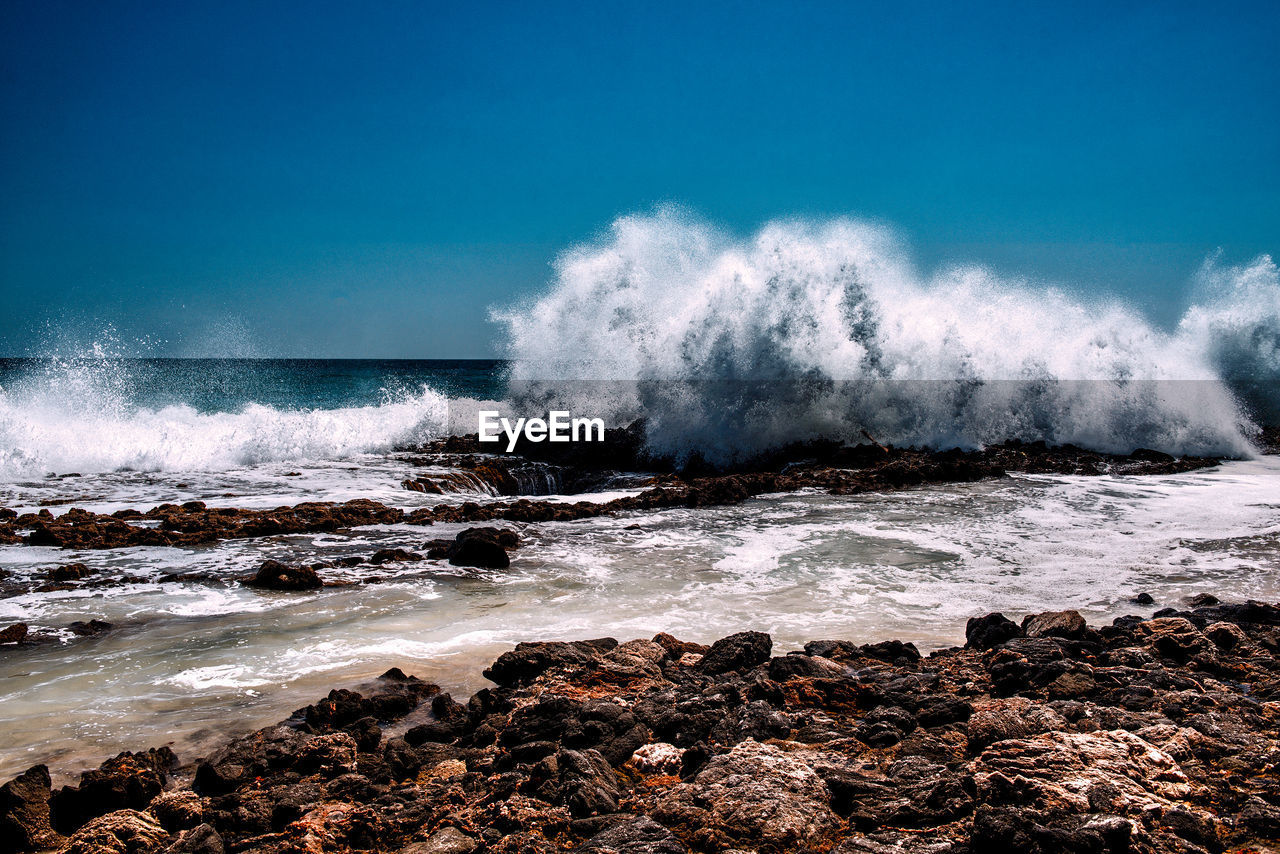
80	415
825	330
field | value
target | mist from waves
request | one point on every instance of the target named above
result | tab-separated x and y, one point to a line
82	413
825	330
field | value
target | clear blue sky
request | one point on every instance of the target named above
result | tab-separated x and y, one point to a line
367	179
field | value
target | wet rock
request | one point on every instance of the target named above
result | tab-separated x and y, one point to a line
74	572
1143	599
274	575
1054	624
990	631
394	556
15	633
1202	600
737	652
24	811
482	547
120	832
91	628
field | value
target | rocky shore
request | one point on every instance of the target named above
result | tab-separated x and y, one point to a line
836	469
1153	734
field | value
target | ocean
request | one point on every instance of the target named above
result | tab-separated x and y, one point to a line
726	348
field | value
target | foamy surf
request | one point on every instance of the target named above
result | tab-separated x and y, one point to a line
812	330
42	431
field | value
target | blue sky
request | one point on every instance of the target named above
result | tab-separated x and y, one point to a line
321	179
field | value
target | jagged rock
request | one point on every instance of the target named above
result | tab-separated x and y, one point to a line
201	839
128	781
530	660
1064	776
120	832
447	840
990	631
181	809
15	633
1054	624
24	811
737	652
274	575
753	795
640	835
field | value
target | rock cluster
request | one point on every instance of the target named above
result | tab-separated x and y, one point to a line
1045	735
837	469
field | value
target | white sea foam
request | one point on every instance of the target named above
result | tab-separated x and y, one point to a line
78	421
824	330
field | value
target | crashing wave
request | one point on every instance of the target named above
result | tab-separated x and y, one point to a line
825	330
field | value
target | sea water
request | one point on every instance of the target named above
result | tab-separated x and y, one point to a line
725	347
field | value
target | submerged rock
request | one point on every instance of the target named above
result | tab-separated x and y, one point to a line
274	575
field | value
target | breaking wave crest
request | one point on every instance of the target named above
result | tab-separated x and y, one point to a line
76	416
825	330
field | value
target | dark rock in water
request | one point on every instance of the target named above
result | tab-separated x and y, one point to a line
990	631
1149	456
479	552
1202	600
1143	599
127	782
274	575
24	811
1054	624
479	547
394	555
16	633
69	572
737	652
93	627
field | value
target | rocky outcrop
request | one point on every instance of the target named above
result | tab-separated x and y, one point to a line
478	547
841	470
1146	735
24	812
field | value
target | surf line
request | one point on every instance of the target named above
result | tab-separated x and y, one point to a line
558	426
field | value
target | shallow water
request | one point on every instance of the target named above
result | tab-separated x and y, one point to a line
189	664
